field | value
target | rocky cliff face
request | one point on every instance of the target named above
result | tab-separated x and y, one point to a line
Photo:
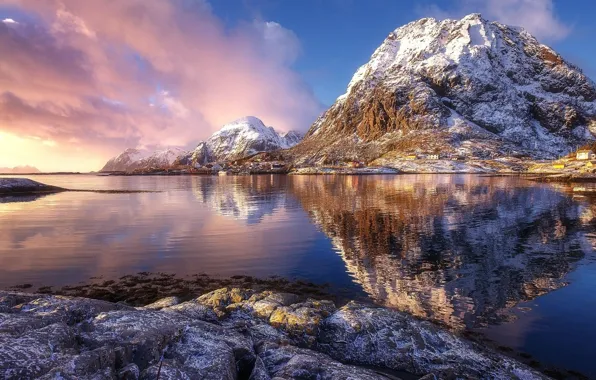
238	139
132	159
459	86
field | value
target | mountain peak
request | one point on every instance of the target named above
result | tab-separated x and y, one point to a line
468	85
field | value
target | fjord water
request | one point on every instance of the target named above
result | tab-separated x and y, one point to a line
510	258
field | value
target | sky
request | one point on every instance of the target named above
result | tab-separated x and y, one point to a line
80	81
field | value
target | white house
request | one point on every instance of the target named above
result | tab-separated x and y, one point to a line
584	154
433	156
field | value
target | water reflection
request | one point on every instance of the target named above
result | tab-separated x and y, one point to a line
460	250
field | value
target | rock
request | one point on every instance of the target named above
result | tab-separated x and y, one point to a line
289	362
163	303
219	299
129	372
25	186
264	304
377	336
194	310
256	337
34	353
302	319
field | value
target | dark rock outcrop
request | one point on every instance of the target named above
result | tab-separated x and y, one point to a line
256	335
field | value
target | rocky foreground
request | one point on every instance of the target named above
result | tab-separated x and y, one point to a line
232	333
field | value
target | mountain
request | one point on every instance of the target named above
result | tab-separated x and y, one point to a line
466	86
132	159
20	170
238	139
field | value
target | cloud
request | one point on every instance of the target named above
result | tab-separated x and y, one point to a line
536	16
116	74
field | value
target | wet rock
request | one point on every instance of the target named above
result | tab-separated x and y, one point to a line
378	336
163	303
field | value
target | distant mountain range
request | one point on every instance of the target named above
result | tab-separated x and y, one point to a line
238	139
20	170
466	86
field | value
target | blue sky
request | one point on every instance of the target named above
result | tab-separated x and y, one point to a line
337	36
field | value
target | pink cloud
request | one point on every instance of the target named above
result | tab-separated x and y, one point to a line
114	74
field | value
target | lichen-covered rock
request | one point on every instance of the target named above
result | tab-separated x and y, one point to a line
220	299
193	310
362	334
302	319
163	303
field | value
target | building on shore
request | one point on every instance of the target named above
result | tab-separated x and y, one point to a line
584	154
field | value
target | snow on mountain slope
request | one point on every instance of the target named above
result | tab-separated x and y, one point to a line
433	85
238	139
132	159
241	138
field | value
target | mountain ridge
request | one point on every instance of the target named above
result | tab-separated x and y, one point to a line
240	138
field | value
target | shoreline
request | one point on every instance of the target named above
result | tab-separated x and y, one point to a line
144	288
310	327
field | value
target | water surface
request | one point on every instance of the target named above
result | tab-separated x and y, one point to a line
501	255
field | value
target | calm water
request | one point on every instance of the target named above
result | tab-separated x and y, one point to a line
508	257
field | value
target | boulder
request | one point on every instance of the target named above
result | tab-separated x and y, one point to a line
368	335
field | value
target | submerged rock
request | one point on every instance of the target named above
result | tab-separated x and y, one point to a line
230	334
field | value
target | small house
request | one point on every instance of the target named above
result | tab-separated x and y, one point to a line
584	154
355	164
411	157
558	166
433	156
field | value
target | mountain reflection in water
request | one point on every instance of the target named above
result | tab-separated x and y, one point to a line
459	250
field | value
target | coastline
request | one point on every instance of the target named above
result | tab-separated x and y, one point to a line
305	326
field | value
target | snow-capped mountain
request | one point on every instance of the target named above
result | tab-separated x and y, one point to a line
132	159
241	138
238	139
460	86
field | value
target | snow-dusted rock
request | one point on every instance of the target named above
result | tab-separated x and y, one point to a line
132	159
241	138
466	86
